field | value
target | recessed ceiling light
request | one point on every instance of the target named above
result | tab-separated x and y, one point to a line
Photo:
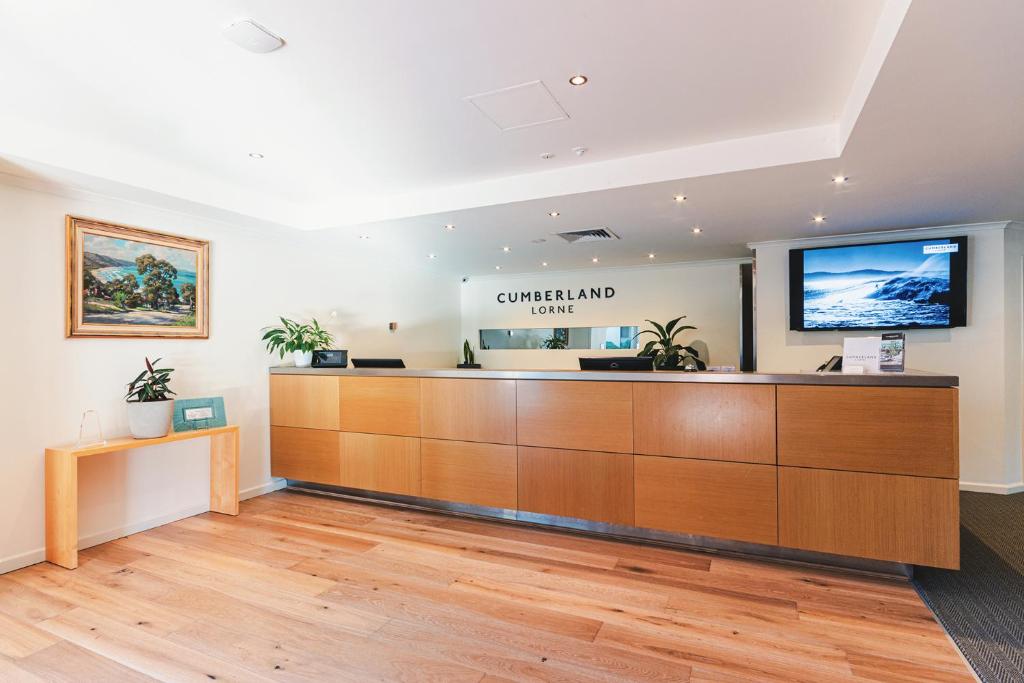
547	155
554	214
255	155
578	79
431	256
650	256
506	249
449	227
697	230
819	219
839	179
594	260
544	264
497	267
679	198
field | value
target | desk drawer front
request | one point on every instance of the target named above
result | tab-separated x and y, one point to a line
471	473
374	462
481	410
890	430
305	454
708	421
381	405
581	484
706	498
591	416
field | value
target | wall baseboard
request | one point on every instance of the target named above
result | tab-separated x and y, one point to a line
9	564
1002	489
274	484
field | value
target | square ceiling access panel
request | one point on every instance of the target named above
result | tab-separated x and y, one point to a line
519	106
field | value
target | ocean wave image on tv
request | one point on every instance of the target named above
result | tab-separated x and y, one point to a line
880	285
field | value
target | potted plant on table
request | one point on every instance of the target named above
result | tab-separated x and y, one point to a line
301	339
468	358
667	354
149	404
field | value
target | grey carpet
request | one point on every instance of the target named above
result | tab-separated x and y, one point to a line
982	605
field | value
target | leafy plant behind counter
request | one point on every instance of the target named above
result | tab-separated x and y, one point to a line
666	352
301	339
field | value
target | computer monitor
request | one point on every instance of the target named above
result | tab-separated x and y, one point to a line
378	363
626	363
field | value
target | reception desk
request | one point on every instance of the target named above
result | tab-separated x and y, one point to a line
861	466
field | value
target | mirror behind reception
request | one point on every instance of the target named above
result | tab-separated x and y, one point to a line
621	337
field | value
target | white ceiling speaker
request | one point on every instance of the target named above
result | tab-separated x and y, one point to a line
249	35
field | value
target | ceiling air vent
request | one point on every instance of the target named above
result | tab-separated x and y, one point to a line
591	235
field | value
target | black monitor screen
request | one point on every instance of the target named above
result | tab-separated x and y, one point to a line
880	286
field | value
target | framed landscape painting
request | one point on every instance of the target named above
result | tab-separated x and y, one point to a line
130	282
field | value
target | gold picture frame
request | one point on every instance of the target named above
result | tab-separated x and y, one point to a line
124	281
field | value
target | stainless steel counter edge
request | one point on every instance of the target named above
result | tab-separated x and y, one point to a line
912	378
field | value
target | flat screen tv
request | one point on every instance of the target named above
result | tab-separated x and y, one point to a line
879	286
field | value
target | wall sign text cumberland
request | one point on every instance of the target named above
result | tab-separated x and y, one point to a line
544	296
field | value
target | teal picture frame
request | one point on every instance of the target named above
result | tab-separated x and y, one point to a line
191	414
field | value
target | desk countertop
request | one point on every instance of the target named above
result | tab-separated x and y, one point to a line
911	378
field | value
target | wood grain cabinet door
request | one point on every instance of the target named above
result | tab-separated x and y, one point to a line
375	462
381	405
581	484
709	421
307	401
468	472
880	516
305	454
589	416
891	430
730	500
469	409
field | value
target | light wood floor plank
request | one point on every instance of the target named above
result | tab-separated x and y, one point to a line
312	588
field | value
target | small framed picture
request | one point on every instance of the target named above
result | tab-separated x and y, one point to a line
199	413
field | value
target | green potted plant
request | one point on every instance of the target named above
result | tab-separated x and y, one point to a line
557	340
149	404
468	357
301	339
667	354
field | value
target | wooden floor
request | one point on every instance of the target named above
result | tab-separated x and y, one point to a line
301	588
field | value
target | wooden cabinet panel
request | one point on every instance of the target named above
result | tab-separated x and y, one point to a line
466	472
375	462
893	430
590	416
708	421
469	409
705	498
381	405
581	484
881	516
305	454
307	401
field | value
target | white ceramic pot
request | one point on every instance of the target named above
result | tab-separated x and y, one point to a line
303	359
150	419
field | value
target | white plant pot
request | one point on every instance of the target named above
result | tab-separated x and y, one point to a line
303	359
150	419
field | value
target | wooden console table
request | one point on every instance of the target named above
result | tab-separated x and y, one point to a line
62	483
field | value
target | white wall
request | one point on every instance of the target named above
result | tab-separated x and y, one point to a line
708	293
48	380
986	354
